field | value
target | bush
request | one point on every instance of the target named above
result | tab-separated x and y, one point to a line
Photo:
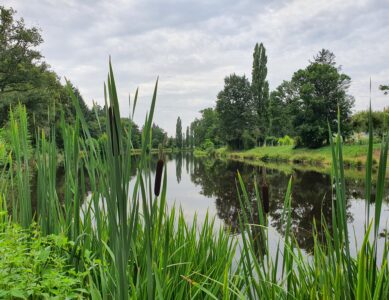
286	141
32	266
271	141
207	145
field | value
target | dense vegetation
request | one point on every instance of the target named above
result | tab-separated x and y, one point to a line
124	243
247	116
27	79
109	234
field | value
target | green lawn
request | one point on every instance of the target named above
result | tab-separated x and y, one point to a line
353	154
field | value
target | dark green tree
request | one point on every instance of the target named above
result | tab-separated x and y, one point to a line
20	62
279	110
158	136
260	90
206	128
321	89
187	137
179	133
380	119
26	78
191	136
234	108
23	75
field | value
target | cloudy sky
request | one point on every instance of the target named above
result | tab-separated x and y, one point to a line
193	44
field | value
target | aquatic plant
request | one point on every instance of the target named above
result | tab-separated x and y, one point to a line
125	242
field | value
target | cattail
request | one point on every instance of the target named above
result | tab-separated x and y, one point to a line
158	177
114	132
265	197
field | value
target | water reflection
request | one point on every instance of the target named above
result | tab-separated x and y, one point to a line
201	185
178	159
311	195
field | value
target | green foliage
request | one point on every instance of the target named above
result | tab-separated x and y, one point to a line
285	141
23	75
206	127
36	267
271	141
19	60
281	119
21	151
158	136
127	244
234	107
179	142
380	119
321	90
187	137
248	140
260	91
207	145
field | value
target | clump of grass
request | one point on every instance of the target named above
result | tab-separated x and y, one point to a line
21	153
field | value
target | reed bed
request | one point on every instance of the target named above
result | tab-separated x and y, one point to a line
125	243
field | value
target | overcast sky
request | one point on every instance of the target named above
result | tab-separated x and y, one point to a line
193	44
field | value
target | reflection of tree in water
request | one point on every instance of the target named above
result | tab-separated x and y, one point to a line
178	158
311	195
218	179
187	161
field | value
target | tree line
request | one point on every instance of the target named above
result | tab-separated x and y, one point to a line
27	79
246	114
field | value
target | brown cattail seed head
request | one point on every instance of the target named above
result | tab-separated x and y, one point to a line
158	177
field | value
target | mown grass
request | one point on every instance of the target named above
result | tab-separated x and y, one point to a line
354	155
126	243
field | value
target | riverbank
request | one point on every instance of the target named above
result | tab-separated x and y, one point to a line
165	150
353	155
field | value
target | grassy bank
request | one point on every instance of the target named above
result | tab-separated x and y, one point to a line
123	242
353	155
165	150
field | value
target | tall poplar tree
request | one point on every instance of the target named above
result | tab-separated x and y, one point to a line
179	133
187	137
260	91
191	141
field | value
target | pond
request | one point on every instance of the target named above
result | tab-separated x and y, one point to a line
201	185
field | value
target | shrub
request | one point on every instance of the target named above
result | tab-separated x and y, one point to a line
271	141
207	145
32	266
286	141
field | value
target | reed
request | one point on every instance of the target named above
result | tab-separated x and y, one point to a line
126	243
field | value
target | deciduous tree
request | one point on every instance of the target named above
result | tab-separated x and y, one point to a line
234	106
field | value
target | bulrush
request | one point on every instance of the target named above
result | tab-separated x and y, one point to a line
158	177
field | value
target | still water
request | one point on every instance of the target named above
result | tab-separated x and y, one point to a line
201	185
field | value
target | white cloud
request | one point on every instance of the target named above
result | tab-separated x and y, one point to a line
193	45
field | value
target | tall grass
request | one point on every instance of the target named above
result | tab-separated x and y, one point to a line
21	153
130	245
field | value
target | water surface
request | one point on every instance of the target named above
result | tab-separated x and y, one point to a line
201	185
